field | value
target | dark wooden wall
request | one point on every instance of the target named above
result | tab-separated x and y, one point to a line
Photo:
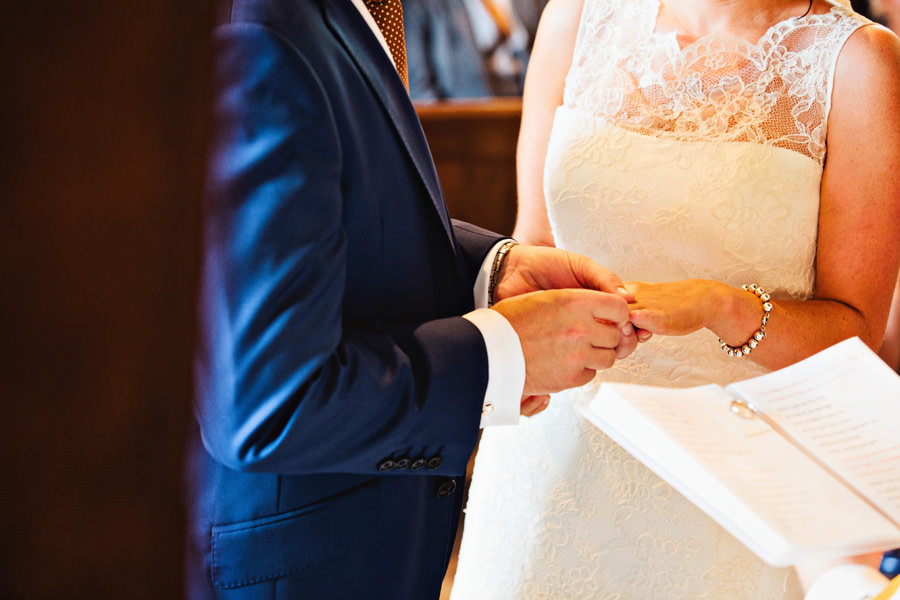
474	148
101	144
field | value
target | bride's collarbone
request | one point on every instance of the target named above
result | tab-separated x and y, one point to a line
693	20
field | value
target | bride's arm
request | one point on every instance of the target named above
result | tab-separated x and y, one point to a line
858	249
544	83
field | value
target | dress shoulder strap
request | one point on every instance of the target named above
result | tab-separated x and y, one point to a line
807	53
603	29
847	23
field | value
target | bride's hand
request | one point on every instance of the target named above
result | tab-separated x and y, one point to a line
672	308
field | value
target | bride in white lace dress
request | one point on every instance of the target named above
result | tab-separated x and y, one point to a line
685	141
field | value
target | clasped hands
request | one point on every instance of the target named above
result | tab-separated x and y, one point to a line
575	317
571	316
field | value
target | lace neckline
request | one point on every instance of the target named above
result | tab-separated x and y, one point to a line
670	38
720	87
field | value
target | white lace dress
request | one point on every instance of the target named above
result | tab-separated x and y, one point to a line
664	163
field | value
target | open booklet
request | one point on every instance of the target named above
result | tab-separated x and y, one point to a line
799	463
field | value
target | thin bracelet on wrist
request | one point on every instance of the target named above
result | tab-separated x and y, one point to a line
499	259
760	334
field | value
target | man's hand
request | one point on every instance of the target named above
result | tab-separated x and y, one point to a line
535	268
532	405
566	336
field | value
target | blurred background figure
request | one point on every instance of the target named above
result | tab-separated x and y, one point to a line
468	48
891	12
886	12
864	7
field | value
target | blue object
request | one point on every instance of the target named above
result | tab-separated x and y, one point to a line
890	563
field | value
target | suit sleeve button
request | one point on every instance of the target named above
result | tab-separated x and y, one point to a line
417	464
401	463
446	488
434	462
386	465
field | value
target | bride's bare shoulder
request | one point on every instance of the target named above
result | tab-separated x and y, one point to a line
867	84
560	19
871	53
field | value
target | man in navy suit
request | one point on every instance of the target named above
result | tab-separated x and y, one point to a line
343	368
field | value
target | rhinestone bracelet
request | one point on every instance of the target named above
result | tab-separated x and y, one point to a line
760	334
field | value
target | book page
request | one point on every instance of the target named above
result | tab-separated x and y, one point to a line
843	406
747	477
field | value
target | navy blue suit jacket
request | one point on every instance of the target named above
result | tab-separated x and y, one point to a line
338	390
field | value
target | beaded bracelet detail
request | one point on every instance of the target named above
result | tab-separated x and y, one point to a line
760	334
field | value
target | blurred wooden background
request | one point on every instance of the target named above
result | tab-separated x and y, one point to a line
103	120
474	148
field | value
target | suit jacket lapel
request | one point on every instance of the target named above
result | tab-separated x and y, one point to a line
349	26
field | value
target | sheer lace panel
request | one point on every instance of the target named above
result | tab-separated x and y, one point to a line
719	88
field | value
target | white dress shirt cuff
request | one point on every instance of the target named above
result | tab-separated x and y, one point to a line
506	367
847	582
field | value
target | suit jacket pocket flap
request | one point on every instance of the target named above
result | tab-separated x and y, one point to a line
275	546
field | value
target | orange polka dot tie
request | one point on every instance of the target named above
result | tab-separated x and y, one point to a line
388	14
